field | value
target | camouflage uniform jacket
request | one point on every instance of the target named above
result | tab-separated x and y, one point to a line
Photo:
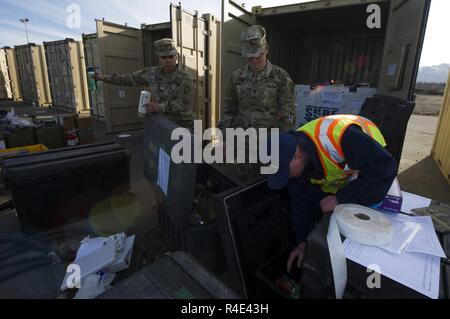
173	91
263	99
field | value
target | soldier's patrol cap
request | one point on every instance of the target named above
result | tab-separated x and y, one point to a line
253	41
165	47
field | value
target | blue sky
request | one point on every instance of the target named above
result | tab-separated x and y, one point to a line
48	19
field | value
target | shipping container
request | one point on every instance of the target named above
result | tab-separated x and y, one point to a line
441	146
376	44
32	68
92	60
67	76
326	40
122	49
314	42
5	82
13	72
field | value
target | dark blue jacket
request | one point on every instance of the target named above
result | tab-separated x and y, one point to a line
377	170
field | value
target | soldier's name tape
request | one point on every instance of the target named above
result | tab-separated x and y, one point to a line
360	224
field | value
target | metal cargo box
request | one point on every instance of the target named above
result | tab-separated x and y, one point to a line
33	74
5	82
67	76
441	145
13	74
186	193
92	59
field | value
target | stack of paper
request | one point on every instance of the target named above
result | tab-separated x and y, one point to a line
413	258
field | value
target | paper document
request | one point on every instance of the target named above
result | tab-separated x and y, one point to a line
411	201
163	170
417	271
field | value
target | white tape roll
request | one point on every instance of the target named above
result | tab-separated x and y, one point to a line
361	224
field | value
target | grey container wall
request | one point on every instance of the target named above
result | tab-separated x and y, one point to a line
67	76
32	68
92	59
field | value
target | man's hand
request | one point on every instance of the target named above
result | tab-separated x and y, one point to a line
328	204
153	107
298	253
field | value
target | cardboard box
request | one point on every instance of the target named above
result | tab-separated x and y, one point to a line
123	259
67	121
306	98
86	136
47	119
21	137
328	100
84	123
393	199
355	99
52	136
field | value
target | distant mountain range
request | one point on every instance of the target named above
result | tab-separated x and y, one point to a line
436	73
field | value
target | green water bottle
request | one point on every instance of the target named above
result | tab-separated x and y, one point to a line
92	82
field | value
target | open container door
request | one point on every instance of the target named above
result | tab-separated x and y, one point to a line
120	51
392	107
235	19
403	48
189	34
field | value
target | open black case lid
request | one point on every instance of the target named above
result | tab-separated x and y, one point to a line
33	169
254	226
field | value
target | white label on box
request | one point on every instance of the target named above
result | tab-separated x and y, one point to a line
392	69
332	99
121	93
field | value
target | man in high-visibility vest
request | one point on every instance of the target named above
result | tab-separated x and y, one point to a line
332	160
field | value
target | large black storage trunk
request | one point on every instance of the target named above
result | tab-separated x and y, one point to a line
316	279
175	276
186	213
60	186
254	226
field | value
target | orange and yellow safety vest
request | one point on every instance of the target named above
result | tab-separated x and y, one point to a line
326	133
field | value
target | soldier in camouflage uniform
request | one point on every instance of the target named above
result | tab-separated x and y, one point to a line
260	94
170	86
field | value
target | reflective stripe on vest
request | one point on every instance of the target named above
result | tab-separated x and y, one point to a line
327	133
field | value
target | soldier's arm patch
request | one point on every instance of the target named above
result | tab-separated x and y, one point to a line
186	90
